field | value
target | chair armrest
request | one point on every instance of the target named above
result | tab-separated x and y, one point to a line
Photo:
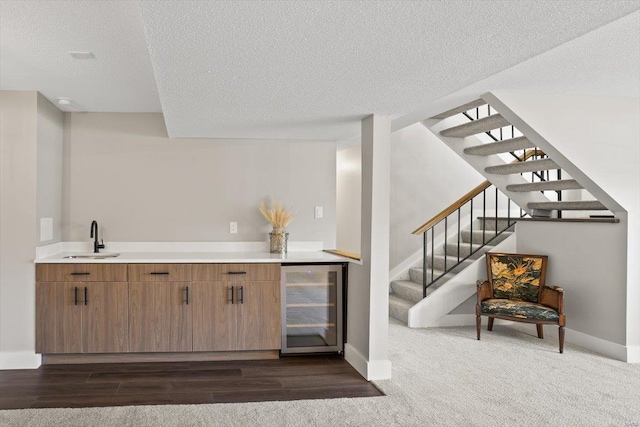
553	296
484	290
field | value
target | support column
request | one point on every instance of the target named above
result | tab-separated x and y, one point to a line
368	299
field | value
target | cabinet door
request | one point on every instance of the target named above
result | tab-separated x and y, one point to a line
259	321
58	318
214	317
105	318
160	317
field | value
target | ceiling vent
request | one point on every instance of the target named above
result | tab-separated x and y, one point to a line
82	55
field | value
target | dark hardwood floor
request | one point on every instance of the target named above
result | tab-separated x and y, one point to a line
117	384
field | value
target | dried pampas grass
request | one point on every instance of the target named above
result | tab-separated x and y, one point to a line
277	214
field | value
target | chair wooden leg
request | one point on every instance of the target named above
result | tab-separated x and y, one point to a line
478	324
490	324
561	338
540	333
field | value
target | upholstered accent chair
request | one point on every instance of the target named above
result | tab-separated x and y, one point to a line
516	291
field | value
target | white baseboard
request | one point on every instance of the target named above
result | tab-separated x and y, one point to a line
630	354
374	370
19	360
589	342
355	359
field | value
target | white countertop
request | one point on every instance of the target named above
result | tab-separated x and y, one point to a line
198	257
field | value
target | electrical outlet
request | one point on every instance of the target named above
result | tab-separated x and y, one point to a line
233	227
318	212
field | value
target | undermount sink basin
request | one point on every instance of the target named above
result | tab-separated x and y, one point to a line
92	256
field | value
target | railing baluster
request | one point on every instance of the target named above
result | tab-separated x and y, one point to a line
459	235
471	224
484	214
424	264
445	238
496	211
433	252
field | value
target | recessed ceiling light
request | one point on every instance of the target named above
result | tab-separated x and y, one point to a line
82	55
64	101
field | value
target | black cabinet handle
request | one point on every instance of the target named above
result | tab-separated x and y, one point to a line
157	273
230	297
86	296
75	296
187	294
241	294
237	272
85	273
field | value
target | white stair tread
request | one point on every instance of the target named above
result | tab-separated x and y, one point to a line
477	126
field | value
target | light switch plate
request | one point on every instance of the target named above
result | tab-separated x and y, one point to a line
46	229
233	227
318	212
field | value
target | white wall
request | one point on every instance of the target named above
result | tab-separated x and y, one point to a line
123	171
600	137
18	144
426	177
368	300
49	168
349	196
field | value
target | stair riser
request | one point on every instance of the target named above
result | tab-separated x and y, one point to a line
438	263
490	224
398	312
416	276
477	237
413	294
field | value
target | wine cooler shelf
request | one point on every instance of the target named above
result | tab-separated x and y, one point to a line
312	308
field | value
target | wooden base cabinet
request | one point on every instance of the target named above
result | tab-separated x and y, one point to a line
162	308
234	312
160	317
258	317
81	317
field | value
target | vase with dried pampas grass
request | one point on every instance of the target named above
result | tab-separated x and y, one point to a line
279	217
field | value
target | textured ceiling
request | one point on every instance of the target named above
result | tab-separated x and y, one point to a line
604	62
297	70
312	69
37	36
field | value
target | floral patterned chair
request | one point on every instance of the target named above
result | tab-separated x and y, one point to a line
516	291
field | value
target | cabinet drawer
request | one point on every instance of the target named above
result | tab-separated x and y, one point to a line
235	272
159	272
81	272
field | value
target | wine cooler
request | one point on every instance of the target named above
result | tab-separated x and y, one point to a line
312	308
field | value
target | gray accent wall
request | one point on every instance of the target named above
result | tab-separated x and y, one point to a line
49	168
588	261
122	170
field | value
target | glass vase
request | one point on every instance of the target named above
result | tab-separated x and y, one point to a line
278	241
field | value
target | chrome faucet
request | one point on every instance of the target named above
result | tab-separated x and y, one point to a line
94	235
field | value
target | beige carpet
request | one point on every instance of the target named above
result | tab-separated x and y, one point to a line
441	377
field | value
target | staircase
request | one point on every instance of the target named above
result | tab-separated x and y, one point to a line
483	137
533	187
406	293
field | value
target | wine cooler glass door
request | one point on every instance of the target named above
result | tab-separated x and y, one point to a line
312	312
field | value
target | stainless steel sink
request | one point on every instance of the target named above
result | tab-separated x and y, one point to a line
92	256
